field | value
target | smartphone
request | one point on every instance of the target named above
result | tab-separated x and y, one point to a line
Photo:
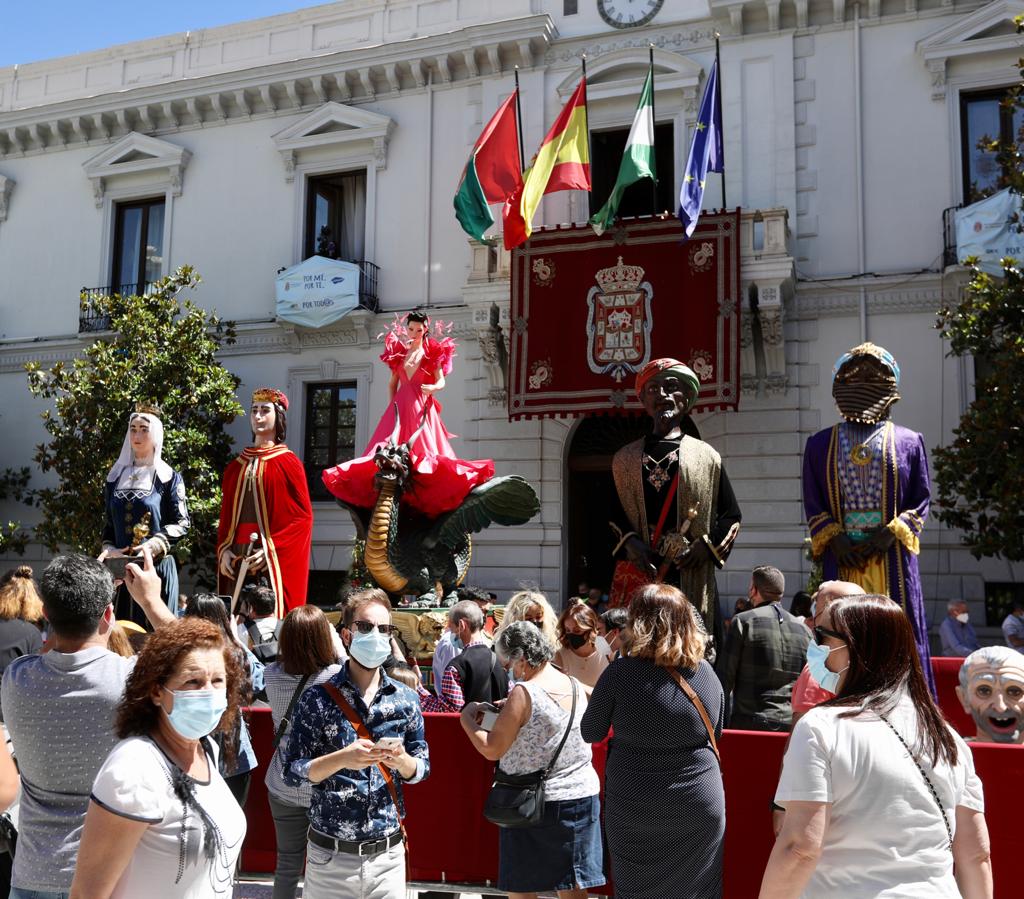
489	716
116	565
389	744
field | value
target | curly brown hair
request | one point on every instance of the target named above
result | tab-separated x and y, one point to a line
137	714
662	628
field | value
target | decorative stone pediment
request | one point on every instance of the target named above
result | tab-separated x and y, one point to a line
136	154
335	125
6	188
622	73
987	30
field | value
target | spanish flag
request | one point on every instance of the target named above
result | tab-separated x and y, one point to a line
561	163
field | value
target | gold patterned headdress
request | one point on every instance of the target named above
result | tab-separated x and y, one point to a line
270	395
149	409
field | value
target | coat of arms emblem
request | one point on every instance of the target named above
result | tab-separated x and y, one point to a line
619	321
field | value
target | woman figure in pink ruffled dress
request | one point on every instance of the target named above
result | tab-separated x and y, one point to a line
440	480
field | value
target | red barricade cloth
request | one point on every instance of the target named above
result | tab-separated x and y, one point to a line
451	841
589	312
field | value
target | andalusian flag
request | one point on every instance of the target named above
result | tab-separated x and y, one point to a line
493	172
637	158
562	163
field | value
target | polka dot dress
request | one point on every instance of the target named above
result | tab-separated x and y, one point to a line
664	801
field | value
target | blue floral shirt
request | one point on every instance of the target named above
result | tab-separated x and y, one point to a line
354	804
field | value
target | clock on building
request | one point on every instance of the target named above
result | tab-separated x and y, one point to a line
628	13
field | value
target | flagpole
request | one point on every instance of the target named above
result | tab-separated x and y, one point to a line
519	125
590	157
721	118
654	142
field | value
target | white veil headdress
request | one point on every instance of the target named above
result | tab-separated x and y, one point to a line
122	468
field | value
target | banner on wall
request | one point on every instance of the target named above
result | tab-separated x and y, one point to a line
589	312
317	291
989	229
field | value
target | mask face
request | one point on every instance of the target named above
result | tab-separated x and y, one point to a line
575	641
864	390
995	699
197	713
816	656
963	617
370	650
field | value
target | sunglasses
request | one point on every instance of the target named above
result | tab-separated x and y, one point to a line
367	627
820	633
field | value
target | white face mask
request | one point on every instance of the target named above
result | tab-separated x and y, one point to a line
963	618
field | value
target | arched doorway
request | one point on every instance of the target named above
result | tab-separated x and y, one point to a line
592	501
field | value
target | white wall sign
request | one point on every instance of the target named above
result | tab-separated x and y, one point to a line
987	229
317	292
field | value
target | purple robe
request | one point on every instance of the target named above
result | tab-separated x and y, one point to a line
905	497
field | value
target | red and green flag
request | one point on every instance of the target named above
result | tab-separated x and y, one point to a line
561	163
493	172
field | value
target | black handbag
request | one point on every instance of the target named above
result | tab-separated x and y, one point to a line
517	800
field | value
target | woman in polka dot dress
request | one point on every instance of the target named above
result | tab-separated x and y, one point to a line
664	801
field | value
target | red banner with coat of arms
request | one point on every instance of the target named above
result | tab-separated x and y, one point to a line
589	312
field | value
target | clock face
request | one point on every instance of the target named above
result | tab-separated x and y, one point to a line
628	13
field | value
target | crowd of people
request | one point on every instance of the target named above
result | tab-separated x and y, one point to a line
134	766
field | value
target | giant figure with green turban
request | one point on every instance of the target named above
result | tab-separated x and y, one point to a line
674	477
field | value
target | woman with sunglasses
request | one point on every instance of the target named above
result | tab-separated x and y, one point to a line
356	739
880	794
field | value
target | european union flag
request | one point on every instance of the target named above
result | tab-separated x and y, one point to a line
705	153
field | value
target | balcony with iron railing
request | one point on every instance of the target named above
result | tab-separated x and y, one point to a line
949	254
91	321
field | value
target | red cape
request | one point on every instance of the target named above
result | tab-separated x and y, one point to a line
284	516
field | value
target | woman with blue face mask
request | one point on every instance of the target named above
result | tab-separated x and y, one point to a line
880	793
162	822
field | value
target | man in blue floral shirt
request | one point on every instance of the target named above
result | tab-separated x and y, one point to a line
355	835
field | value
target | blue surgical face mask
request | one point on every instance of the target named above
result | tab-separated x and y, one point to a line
370	650
457	642
816	656
197	712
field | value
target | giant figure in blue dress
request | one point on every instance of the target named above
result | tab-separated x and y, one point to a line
141	484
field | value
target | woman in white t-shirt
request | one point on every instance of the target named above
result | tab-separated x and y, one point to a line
162	823
880	794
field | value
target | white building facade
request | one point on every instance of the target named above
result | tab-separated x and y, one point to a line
848	132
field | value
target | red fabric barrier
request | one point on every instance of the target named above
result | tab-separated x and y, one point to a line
947	676
450	840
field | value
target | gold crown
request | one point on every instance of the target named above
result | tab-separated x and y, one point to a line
148	409
620	279
269	395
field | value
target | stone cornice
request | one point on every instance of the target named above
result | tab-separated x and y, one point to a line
813	300
760	16
353	76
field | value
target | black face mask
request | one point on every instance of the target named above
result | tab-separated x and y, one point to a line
575	641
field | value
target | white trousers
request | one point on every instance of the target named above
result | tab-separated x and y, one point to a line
340	875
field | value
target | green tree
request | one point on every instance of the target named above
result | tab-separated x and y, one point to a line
161	350
14	486
980	475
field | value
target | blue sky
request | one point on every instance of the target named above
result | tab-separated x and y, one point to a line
42	29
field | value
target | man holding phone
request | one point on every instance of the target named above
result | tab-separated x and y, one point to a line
357	738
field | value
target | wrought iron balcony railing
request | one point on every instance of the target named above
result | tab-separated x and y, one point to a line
89	320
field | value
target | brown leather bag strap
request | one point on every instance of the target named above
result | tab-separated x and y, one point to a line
695	699
363	732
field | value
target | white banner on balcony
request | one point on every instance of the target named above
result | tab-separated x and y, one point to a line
317	291
986	229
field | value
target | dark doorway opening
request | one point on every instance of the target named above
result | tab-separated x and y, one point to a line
592	501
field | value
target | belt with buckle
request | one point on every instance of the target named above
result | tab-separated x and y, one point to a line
358	847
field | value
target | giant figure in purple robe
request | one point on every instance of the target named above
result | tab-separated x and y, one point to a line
866	489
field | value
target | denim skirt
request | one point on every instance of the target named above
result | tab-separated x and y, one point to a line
561	852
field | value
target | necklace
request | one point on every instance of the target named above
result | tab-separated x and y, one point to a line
658	476
864	453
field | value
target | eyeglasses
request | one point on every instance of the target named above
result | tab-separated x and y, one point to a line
367	627
820	633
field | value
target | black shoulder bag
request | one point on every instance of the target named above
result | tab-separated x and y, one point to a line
517	800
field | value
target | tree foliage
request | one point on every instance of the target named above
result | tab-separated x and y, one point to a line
980	475
14	485
162	350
